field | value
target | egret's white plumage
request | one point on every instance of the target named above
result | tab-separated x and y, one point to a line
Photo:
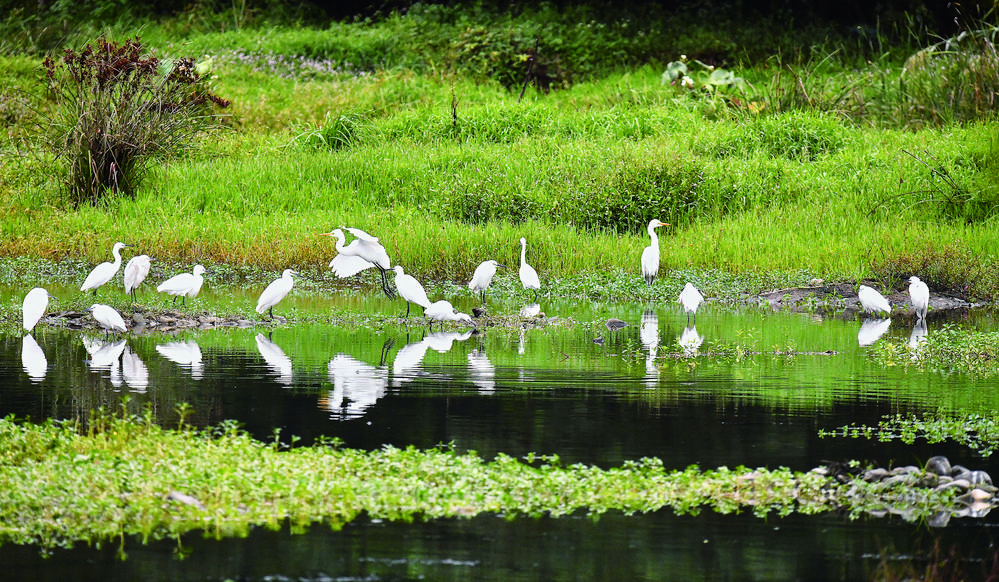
443	311
920	295
482	277
690	298
33	307
136	270
362	253
275	292
104	272
410	289
108	317
528	276
650	256
183	285
872	301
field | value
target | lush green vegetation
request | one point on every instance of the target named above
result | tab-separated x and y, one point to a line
823	165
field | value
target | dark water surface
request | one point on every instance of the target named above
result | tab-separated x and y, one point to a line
544	390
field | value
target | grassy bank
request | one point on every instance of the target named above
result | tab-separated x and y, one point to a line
829	170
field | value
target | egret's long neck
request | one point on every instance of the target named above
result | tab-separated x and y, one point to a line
340	239
523	254
117	256
654	237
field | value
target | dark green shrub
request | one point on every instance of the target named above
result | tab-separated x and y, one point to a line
116	111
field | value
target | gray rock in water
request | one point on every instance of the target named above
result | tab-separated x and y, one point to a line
979	477
615	324
938	465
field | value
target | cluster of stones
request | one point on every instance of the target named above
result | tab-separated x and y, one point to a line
162	322
975	493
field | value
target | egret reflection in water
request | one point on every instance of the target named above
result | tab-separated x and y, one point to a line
33	359
649	334
106	356
690	341
482	371
356	386
872	330
134	370
917	337
408	360
443	341
187	354
275	358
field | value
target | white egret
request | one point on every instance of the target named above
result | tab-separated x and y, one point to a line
362	253
410	289
483	276
690	299
443	311
108	317
136	270
35	303
920	295
184	285
872	301
650	256
528	276
275	292
104	272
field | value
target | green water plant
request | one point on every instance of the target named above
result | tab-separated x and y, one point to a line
979	432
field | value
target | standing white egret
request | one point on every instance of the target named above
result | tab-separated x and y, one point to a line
920	295
650	256
35	303
275	292
872	301
410	290
104	272
136	270
690	299
184	285
108	317
483	276
528	276
443	311
362	253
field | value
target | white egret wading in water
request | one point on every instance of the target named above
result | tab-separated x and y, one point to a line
104	272
528	276
690	298
920	295
650	256
275	292
107	317
362	253
443	311
136	270
410	290
483	276
33	307
184	285
872	301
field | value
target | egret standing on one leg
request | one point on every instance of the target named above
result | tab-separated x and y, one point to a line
184	285
528	276
920	295
107	317
690	298
410	289
483	276
650	256
872	301
34	306
104	272
362	253
136	270
275	292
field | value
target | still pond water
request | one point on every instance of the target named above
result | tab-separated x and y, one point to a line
537	389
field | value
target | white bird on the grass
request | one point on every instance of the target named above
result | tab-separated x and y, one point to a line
136	270
650	256
184	285
872	301
108	317
443	311
920	295
410	289
362	253
690	298
33	307
528	276
483	276
275	292
104	272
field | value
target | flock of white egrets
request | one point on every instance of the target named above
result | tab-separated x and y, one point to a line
365	252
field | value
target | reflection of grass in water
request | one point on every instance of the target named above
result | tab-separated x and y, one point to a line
947	350
978	432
